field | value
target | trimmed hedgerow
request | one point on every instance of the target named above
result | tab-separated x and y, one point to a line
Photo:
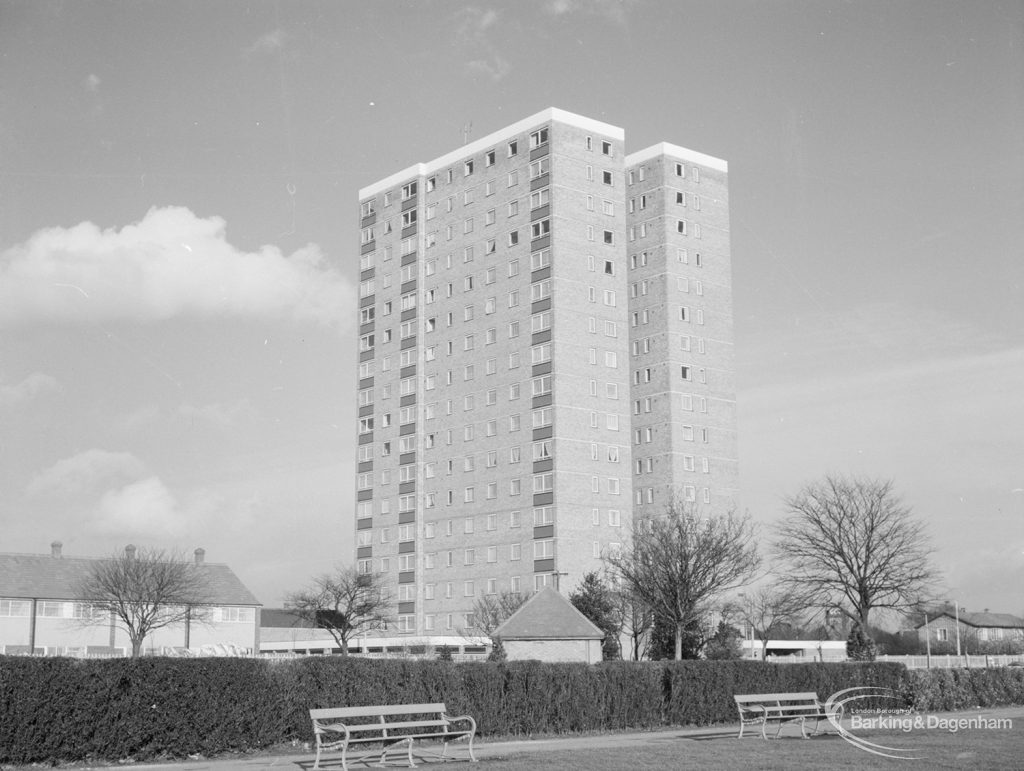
700	692
59	710
937	690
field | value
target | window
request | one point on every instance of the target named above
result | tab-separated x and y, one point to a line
513	148
467	168
540	167
540	228
538	138
489	158
540	353
540	197
606	177
542	450
408	191
542	417
539	290
540	259
543	549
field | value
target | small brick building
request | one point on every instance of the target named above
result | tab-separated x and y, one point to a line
548	628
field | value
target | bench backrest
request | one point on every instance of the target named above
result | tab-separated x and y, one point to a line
762	698
340	713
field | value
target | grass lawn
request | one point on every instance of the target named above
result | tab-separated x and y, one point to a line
980	749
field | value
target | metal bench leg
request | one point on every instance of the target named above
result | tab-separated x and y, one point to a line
409	747
472	757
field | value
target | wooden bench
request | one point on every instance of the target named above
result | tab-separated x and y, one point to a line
764	708
399	724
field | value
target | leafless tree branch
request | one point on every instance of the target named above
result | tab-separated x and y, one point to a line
345	603
145	590
852	545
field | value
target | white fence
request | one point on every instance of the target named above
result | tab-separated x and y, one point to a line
956	662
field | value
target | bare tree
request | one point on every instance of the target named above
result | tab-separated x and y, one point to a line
637	622
492	610
345	603
769	608
144	590
678	564
851	545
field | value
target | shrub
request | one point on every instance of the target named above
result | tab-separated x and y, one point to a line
55	710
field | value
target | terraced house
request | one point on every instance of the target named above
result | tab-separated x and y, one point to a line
545	354
41	611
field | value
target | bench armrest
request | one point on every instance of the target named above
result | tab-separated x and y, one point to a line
760	710
457	718
319	728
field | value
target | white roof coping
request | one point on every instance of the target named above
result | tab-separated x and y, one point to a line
485	143
675	151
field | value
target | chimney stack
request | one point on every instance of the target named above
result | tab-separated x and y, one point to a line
129	551
200	556
55	548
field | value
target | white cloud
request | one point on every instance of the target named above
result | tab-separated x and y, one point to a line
85	472
474	35
145	507
138	419
219	414
34	385
268	43
170	264
616	11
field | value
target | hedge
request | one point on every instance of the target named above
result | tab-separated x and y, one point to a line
62	710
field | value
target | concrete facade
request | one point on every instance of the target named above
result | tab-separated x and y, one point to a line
497	393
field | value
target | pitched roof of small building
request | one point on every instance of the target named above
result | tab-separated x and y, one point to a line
283	618
981	620
548	616
56	577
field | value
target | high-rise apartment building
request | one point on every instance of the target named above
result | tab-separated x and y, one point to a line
545	353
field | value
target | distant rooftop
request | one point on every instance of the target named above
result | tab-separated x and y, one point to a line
56	577
551	114
548	616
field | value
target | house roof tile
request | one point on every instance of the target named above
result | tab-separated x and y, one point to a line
45	577
548	616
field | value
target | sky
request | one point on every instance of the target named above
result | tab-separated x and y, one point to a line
178	248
